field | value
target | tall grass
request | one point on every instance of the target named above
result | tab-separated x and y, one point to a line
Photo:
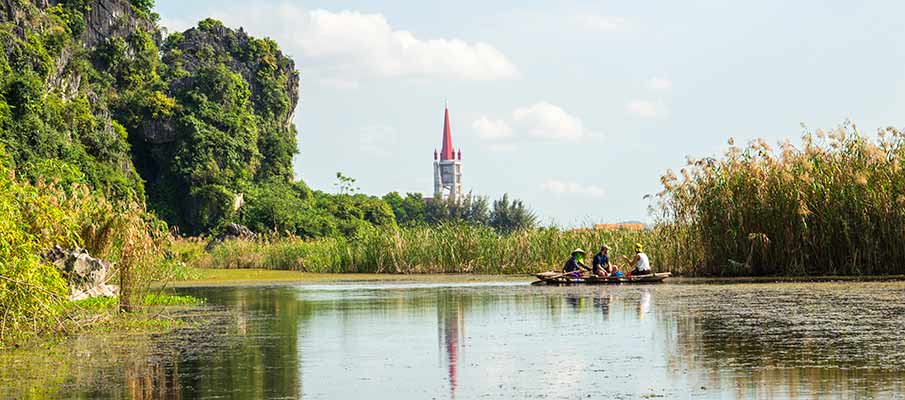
34	216
447	248
834	205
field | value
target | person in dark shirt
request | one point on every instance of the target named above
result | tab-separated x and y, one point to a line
601	264
576	263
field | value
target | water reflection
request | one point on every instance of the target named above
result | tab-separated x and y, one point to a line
753	341
602	303
451	328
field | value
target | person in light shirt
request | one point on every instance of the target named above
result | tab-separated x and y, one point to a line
640	262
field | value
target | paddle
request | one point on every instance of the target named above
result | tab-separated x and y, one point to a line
553	277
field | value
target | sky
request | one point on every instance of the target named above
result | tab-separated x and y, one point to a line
575	107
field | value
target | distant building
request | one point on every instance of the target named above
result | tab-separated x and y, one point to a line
624	226
447	167
629	226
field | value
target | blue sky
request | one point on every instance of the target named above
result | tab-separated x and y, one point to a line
576	107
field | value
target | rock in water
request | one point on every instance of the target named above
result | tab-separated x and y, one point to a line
87	276
231	232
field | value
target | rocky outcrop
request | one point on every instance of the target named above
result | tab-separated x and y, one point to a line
212	43
231	232
186	123
236	50
104	19
87	276
113	18
20	14
159	131
92	24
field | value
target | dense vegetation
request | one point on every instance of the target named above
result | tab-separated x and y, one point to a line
36	216
220	126
504	215
66	176
834	206
445	248
71	121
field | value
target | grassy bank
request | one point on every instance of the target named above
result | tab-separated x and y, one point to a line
450	248
266	277
833	206
35	215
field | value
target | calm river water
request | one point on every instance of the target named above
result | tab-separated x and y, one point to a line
505	340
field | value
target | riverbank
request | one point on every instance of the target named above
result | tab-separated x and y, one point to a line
266	277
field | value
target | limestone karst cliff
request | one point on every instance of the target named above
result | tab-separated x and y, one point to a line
92	92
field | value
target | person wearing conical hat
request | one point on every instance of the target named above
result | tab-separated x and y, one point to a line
576	263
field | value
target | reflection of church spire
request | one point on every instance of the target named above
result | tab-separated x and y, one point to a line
451	326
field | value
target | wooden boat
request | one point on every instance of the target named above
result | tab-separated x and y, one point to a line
555	278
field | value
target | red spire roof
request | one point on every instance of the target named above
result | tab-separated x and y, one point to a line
447	152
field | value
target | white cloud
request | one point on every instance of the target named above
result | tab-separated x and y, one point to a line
502	147
545	120
647	109
541	120
338	83
377	140
351	45
572	188
492	128
659	84
604	23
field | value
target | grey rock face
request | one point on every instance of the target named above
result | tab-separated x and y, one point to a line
112	18
159	131
231	232
87	276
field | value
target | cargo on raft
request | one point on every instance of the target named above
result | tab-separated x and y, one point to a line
558	278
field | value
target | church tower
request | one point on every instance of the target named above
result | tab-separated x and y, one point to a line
447	167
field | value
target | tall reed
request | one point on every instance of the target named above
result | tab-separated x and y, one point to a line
34	216
447	248
834	205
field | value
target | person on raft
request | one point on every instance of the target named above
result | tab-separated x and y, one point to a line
601	264
640	262
575	263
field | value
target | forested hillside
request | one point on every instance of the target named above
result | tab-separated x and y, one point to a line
198	124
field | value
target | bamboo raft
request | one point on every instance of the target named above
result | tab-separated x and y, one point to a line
557	278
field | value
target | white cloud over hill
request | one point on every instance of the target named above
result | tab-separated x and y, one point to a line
347	46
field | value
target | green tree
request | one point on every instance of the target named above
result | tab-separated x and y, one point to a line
409	210
471	209
345	184
143	5
511	216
